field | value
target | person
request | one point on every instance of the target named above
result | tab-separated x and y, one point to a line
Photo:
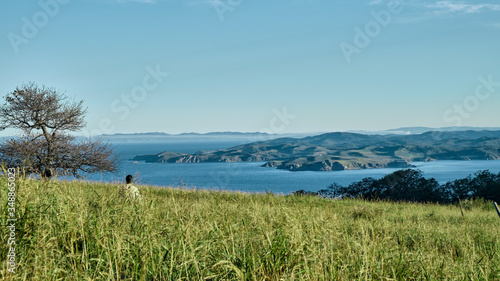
129	191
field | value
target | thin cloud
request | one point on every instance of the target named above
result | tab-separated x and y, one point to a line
450	7
205	2
376	2
417	11
495	25
134	1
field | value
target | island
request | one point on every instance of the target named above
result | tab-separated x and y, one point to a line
348	151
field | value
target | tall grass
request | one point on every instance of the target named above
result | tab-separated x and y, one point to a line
85	231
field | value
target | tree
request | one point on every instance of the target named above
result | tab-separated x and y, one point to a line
402	185
45	116
483	184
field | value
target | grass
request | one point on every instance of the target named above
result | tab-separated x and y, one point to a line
84	231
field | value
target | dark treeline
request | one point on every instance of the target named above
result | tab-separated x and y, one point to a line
410	185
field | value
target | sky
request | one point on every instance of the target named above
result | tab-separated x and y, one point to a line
276	66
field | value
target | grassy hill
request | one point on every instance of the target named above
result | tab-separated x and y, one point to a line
84	231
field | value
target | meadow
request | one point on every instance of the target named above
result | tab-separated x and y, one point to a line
85	231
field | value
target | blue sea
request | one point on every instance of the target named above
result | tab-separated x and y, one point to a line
251	177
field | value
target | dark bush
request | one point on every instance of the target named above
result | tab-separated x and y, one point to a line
410	185
484	184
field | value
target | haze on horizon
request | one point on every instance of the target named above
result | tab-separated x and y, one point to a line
273	66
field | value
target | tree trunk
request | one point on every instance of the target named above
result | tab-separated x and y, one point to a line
48	169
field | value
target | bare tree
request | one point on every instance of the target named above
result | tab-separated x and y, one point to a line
45	116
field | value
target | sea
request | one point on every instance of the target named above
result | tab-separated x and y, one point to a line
250	176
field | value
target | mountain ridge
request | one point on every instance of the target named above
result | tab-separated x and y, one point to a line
344	150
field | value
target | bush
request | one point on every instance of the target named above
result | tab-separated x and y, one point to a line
411	186
484	184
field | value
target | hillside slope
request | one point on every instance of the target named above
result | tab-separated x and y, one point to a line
342	151
84	231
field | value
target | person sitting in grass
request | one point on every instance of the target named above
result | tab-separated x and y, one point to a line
129	191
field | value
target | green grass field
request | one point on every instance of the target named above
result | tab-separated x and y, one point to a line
85	231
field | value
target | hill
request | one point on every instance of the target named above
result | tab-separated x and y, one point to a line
84	231
342	151
420	130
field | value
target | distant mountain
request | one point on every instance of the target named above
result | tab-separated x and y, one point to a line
186	134
398	131
224	134
420	130
136	134
156	137
342	151
190	137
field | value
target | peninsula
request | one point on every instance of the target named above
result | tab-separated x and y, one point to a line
348	151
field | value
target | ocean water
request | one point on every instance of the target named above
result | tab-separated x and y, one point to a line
250	177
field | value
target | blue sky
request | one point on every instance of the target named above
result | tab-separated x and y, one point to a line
276	66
